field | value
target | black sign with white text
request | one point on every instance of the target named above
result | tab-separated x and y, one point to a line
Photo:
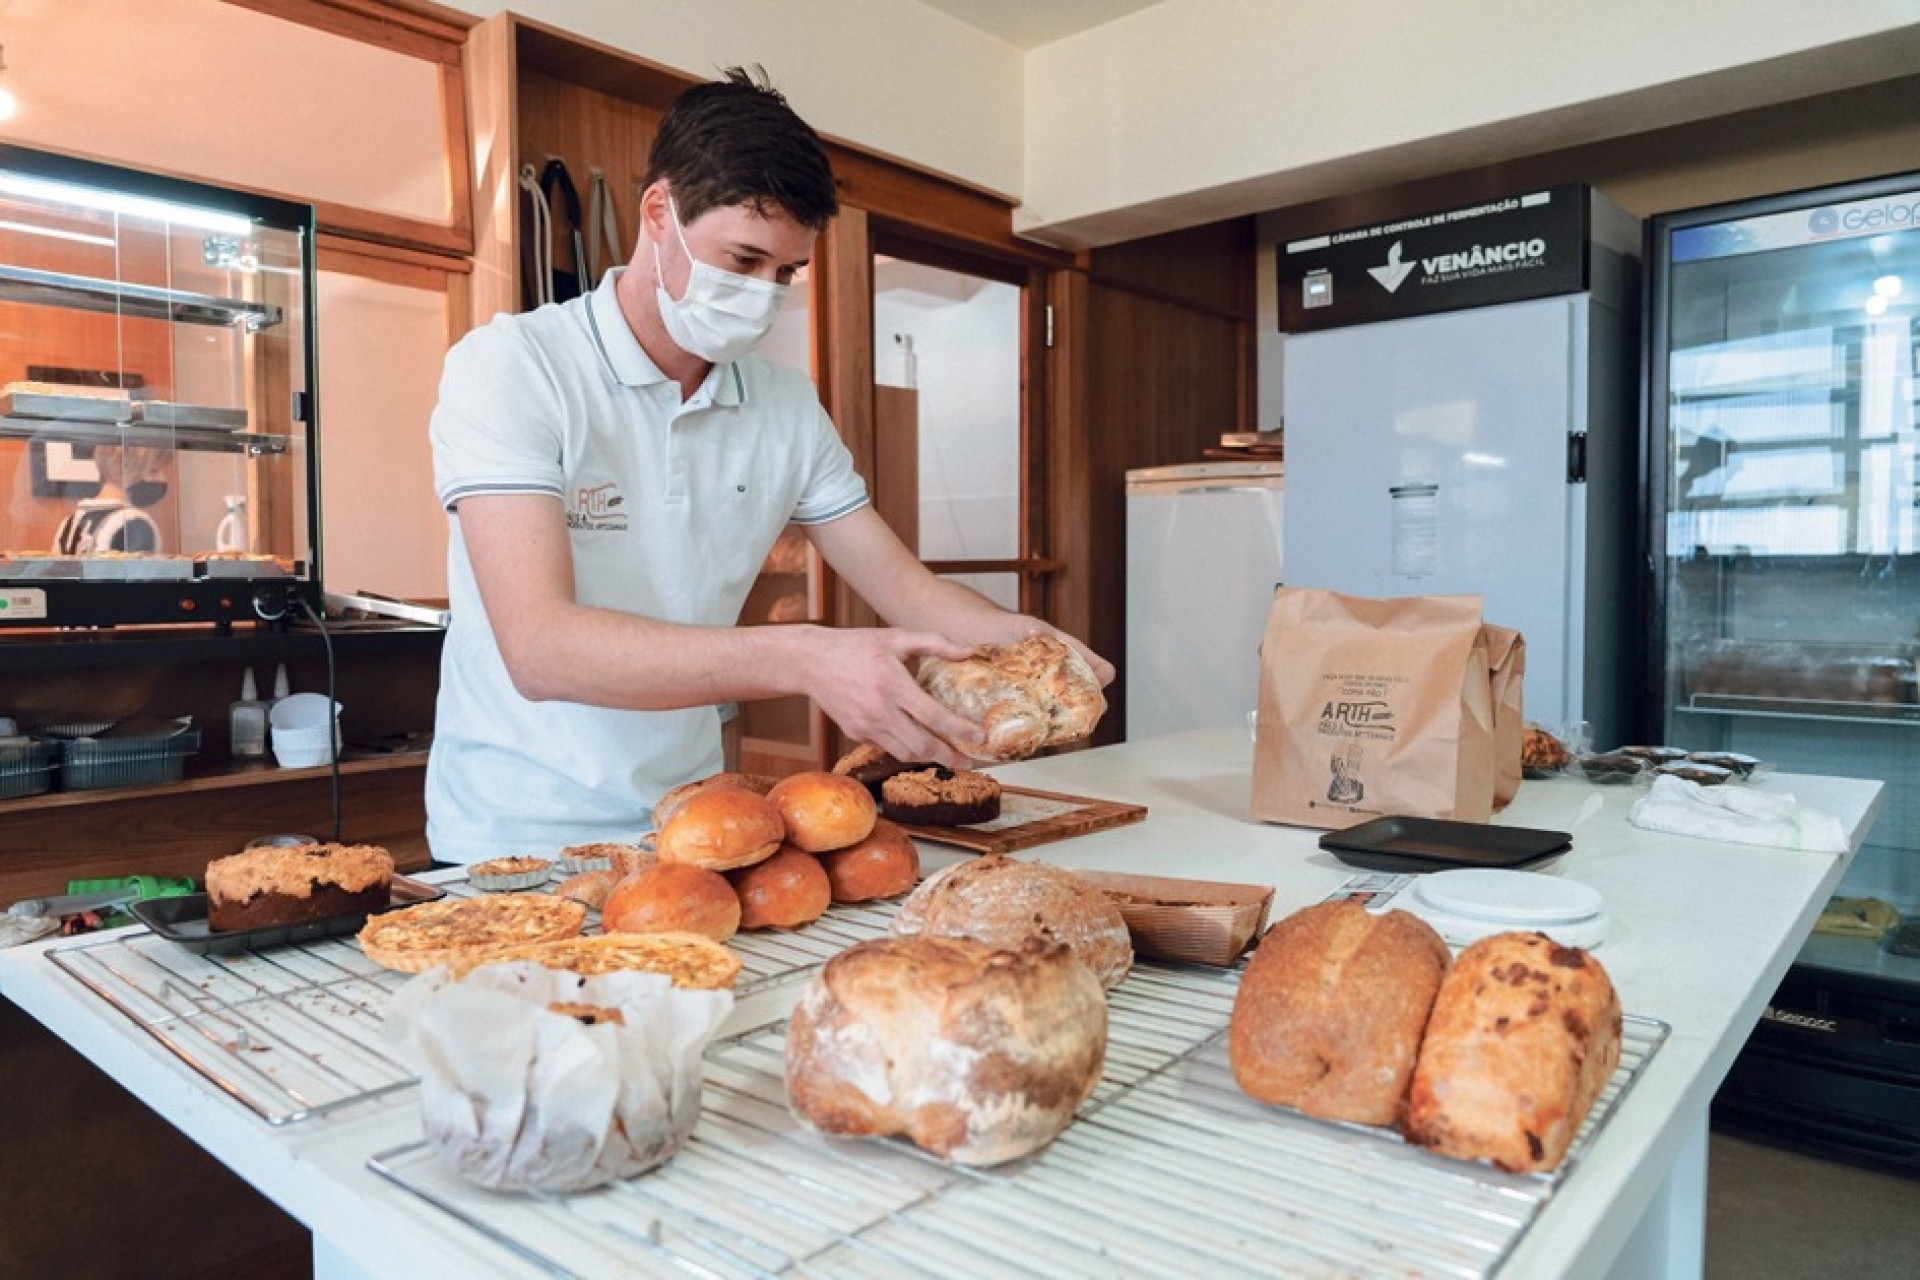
1508	250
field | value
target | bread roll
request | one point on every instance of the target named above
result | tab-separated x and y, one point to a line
669	804
784	892
823	811
975	1054
1330	1011
721	828
1002	902
1524	1036
886	863
1037	693
671	897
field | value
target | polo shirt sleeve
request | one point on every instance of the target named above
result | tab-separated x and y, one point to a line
834	488
497	426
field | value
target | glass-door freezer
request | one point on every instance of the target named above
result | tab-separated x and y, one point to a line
1784	553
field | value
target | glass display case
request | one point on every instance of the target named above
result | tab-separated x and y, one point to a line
158	425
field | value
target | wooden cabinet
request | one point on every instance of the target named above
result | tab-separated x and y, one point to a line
385	680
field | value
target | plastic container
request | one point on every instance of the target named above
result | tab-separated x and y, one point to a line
92	764
247	721
300	724
26	767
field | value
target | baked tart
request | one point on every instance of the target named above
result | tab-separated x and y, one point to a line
457	930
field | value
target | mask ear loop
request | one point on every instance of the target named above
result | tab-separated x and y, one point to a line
659	272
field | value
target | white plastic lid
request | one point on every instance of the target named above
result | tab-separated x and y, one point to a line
1472	903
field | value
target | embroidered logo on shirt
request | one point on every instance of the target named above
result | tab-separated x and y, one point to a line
599	507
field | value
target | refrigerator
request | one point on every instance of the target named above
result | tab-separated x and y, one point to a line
1460	408
1203	557
1783	535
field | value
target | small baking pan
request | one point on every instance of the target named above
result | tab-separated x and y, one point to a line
1436	844
182	920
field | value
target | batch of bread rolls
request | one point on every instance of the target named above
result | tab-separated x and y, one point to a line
978	1026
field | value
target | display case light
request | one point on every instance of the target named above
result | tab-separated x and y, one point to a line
123	204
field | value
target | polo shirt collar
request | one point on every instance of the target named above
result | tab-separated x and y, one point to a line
628	360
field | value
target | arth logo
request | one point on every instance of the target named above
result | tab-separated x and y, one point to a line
599	507
1357	714
1394	273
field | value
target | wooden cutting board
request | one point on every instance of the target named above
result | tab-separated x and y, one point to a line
1028	818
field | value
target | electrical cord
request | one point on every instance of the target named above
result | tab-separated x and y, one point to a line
333	739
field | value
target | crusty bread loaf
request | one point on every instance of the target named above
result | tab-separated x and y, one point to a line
883	865
976	1054
1002	902
784	892
671	897
1036	693
721	828
1330	1011
823	810
1524	1036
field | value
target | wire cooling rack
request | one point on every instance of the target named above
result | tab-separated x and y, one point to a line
294	1032
1168	1170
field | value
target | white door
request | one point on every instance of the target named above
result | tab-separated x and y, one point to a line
1428	456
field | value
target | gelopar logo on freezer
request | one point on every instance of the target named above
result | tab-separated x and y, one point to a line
1895	213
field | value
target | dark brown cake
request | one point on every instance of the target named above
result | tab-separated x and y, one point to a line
295	884
936	796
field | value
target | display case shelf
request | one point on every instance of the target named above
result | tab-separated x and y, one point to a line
120	297
197	439
1733	704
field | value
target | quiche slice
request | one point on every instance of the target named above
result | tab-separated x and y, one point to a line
688	958
453	930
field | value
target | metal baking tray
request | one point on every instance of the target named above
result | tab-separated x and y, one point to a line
167	413
28	565
135	568
215	565
183	920
77	408
1436	844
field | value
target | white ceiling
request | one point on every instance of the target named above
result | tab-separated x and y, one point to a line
1028	24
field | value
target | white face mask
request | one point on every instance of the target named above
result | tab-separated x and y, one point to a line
724	314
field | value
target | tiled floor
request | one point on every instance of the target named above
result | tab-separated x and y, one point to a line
1779	1215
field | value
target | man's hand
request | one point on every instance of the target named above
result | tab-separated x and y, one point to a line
862	678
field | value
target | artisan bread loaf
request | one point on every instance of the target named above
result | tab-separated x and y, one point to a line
976	1054
721	828
1002	902
1331	1008
1026	696
1525	1034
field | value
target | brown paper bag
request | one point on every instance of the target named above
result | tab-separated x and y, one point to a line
1374	707
1506	664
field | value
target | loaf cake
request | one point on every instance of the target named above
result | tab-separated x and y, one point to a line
294	884
977	1054
1524	1036
1002	902
1331	1008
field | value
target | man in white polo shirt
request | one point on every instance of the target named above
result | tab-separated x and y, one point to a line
617	468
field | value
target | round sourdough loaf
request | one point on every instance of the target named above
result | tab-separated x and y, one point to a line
823	810
1038	692
1331	1008
721	828
883	865
1002	902
976	1054
1524	1036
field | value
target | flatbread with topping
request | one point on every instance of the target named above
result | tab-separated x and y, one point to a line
454	930
687	958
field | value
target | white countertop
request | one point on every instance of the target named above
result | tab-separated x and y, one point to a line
1702	934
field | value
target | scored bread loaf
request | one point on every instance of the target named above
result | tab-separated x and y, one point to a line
1036	693
1330	1011
1525	1034
976	1054
1002	901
